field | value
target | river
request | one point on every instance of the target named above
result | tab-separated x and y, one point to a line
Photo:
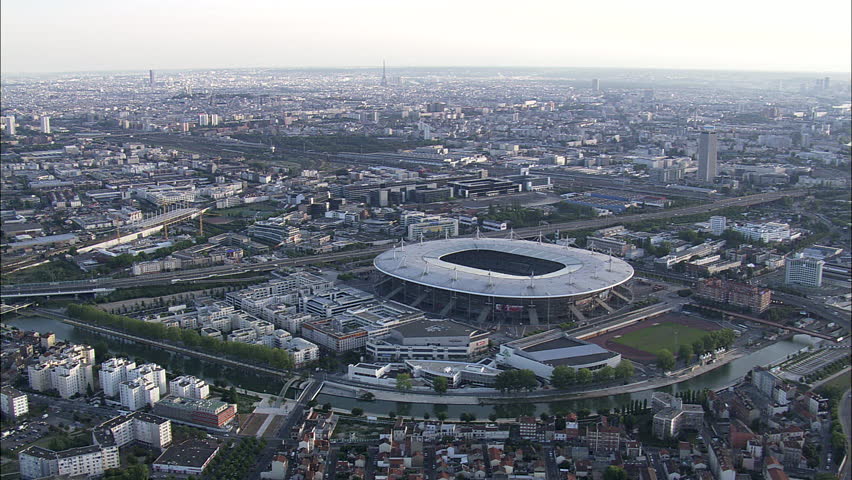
714	380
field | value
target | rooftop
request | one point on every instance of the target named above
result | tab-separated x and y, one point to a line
580	271
192	453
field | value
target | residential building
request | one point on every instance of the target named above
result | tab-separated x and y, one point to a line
112	373
189	386
147	429
13	403
749	297
137	393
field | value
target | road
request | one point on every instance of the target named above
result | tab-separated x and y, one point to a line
845	414
10	291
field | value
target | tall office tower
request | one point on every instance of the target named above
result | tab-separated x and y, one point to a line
384	75
151	78
9	121
596	85
825	83
707	143
45	125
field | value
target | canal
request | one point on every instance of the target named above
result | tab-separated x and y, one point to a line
716	379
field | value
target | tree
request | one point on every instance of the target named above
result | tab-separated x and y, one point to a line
357	412
709	343
614	473
604	374
584	375
624	369
403	382
563	376
665	359
440	384
684	352
698	347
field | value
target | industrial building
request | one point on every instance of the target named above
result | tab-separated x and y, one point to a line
543	352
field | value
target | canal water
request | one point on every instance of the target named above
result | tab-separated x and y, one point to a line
719	378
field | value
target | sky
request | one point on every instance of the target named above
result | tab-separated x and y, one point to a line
95	35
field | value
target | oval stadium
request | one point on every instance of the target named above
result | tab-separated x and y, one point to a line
502	280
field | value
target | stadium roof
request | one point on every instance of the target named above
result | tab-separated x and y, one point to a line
582	271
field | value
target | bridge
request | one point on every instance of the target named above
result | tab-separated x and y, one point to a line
4	309
101	285
767	322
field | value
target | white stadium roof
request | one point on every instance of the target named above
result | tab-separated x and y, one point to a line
583	272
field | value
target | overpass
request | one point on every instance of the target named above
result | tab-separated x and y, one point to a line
101	285
767	322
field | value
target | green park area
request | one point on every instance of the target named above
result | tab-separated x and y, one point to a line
666	335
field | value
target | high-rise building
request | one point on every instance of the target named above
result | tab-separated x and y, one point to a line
113	372
707	145
9	122
802	270
826	82
596	84
214	120
203	120
718	225
384	75
151	78
45	125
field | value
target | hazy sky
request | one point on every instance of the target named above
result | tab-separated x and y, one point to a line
63	35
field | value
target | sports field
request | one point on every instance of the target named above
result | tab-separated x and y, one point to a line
666	335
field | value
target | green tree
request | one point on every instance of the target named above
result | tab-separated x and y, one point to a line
604	374
440	385
614	473
562	376
403	382
624	369
357	411
665	359
584	375
684	352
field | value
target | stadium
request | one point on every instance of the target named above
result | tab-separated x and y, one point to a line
503	280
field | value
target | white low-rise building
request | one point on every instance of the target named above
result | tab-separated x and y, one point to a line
189	386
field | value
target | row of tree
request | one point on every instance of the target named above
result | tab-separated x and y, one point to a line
274	357
564	376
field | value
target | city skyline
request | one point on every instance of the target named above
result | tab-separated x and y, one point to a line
334	34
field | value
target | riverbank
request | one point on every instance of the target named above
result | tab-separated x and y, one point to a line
484	396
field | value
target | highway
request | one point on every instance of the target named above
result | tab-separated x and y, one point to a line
28	290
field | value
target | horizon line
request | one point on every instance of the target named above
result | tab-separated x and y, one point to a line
378	67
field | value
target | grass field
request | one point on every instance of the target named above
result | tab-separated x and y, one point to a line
841	382
666	335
